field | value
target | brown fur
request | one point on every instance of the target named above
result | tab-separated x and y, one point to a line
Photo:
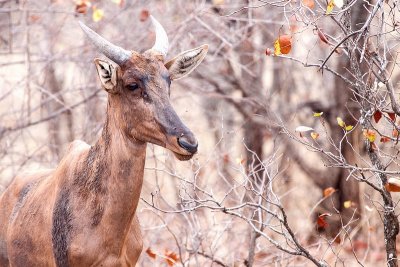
82	213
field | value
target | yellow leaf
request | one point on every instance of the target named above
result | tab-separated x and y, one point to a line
314	135
98	14
318	114
277	48
329	8
347	204
370	135
340	122
348	127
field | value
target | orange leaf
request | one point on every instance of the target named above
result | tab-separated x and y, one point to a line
377	116
144	15
392	116
393	185
384	139
370	135
151	253
395	133
82	6
309	3
171	258
283	44
329	191
321	222
314	135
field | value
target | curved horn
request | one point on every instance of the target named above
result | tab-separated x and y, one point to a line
161	45
113	52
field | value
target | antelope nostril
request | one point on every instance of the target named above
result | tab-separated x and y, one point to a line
187	144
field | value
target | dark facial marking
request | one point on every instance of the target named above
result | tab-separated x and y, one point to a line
62	227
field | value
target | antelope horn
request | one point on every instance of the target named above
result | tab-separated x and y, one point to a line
113	52
161	45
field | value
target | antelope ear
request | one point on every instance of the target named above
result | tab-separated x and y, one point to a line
107	74
186	62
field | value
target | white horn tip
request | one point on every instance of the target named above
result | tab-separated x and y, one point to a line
161	45
82	25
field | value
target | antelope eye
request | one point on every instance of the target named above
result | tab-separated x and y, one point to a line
132	86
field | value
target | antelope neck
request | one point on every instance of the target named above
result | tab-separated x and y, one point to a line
114	179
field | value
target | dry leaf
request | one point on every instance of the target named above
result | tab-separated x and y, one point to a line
283	45
144	15
314	135
392	116
171	258
384	139
377	116
329	191
309	3
395	133
151	253
393	185
321	221
370	135
82	6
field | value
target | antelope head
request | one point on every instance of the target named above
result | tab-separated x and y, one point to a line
138	88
